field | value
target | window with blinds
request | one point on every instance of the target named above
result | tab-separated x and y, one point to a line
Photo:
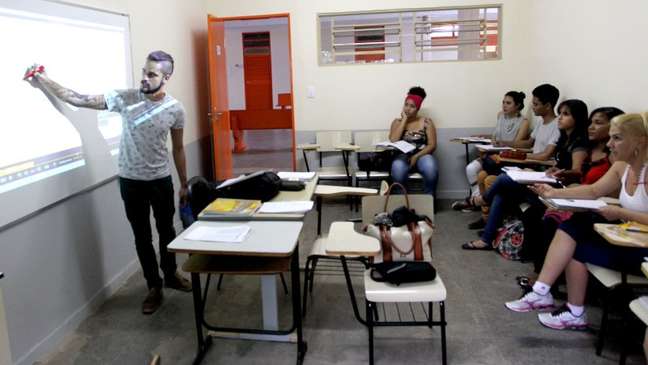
417	35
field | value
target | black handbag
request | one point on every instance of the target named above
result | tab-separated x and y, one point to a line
260	185
376	161
398	272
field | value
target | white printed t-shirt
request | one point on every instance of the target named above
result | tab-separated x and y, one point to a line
143	153
545	135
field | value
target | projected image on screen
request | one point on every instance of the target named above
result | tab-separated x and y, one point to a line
40	136
50	150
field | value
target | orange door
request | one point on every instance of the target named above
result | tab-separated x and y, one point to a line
219	113
257	69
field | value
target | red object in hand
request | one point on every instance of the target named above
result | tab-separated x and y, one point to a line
32	73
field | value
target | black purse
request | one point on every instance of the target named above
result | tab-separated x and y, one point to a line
398	272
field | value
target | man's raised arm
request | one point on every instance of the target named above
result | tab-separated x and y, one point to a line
37	73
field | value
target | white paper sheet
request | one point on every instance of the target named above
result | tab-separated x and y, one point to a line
296	206
294	176
490	147
405	147
579	203
235	234
526	177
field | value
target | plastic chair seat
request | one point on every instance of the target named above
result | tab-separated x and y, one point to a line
427	291
611	278
639	310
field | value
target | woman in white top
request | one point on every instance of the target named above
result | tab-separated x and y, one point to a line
511	127
576	243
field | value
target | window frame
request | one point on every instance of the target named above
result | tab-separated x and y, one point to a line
399	13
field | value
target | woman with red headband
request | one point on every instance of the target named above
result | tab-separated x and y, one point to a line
420	132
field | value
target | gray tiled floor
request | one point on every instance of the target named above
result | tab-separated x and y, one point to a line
480	329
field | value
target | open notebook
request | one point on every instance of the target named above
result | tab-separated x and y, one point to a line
530	177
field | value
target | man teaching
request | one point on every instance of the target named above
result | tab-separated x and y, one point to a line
148	114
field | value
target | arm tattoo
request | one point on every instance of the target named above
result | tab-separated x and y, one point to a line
72	97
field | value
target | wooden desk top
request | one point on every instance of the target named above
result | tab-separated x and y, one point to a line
344	240
467	141
333	190
511	161
276	238
618	236
346	147
307	146
306	194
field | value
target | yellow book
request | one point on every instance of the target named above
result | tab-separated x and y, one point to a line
231	207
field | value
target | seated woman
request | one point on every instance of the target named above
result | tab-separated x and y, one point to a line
420	132
576	243
511	127
538	236
571	152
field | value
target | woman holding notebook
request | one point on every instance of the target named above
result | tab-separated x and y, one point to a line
576	243
420	132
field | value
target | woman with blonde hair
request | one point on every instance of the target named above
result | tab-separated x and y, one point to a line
576	243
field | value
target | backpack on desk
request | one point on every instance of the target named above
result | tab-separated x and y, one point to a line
260	185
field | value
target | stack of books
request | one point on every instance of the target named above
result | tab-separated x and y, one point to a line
223	207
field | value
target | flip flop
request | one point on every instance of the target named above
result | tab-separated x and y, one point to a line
470	246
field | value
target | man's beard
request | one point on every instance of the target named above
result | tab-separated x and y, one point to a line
153	91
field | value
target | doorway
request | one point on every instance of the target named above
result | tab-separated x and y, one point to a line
251	77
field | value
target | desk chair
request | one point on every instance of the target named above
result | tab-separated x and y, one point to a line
613	281
327	142
199	195
641	312
318	252
387	298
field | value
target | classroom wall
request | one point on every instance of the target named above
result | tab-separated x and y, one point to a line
593	50
63	262
460	94
279	59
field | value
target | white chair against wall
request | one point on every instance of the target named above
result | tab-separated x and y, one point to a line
327	142
342	240
613	281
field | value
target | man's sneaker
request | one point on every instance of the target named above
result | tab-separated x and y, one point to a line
531	301
177	282
562	319
153	301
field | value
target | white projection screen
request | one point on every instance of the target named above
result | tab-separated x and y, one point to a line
50	150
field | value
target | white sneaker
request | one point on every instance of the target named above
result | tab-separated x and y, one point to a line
531	301
562	319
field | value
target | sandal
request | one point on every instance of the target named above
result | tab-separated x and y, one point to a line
470	245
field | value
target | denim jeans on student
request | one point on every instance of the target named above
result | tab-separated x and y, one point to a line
139	197
426	166
504	193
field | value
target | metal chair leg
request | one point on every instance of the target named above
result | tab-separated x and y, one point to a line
306	278
369	310
312	275
604	320
220	280
283	282
444	355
